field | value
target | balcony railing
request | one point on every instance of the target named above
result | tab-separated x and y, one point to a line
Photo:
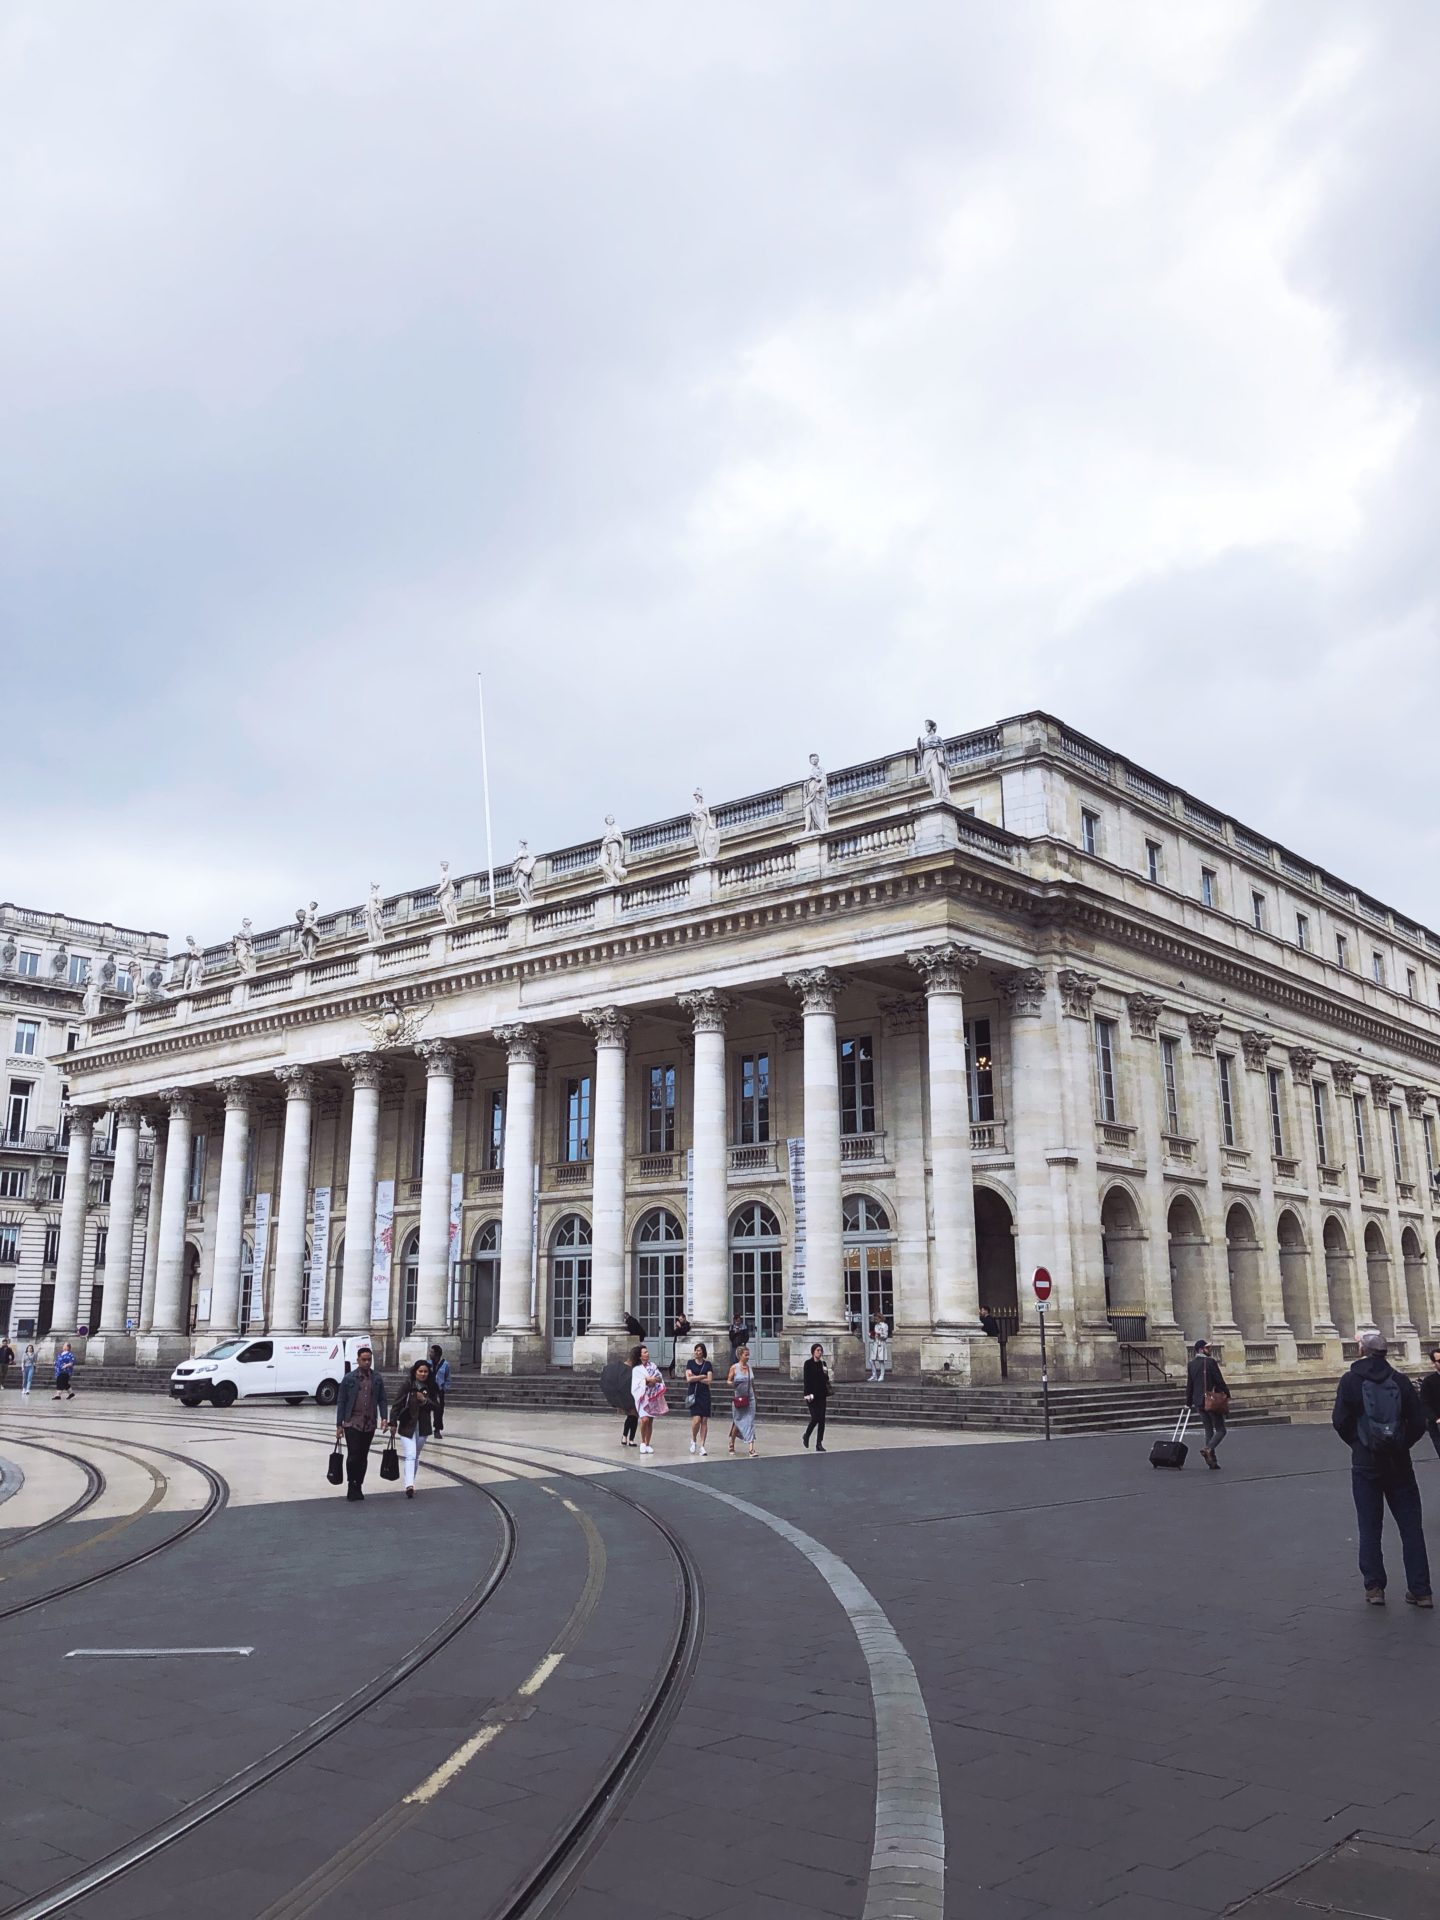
862	1146
1237	1159
1405	1189
570	1173
987	1136
1285	1168
487	1180
1180	1148
1370	1183
1332	1176
657	1166
757	1159
1114	1136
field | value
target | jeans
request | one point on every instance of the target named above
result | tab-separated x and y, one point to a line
1400	1492
357	1458
410	1451
1214	1429
440	1416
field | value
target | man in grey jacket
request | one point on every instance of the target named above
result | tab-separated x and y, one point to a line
360	1407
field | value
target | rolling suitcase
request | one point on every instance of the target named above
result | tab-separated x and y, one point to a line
1172	1452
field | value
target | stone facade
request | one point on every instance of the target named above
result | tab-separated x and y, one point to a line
848	1047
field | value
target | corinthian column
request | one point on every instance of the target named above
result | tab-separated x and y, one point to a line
957	1283
515	1346
150	1262
432	1280
168	1335
289	1286
365	1071
230	1210
709	1224
611	1028
113	1343
65	1315
824	1272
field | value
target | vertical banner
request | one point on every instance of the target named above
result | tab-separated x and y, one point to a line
534	1240
319	1257
384	1244
262	1248
689	1232
457	1197
798	1294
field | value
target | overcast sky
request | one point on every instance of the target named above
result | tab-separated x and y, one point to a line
730	381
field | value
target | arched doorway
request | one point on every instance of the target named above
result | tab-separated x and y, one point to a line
995	1264
410	1278
247	1284
480	1290
569	1287
757	1278
1242	1252
1188	1287
1339	1278
869	1258
1417	1292
1122	1246
1295	1277
1377	1273
659	1290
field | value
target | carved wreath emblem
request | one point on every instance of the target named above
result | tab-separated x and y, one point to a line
395	1026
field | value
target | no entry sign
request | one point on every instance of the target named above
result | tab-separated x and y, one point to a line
1042	1283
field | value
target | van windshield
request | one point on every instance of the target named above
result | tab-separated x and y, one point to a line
224	1350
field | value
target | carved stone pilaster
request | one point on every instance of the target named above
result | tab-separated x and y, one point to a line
1256	1047
790	1031
178	1100
298	1082
1145	1012
1023	992
521	1043
1204	1030
816	987
1381	1088
1343	1073
902	1014
440	1057
1303	1062
610	1026
82	1122
1415	1102
943	968
239	1094
1077	990
707	1008
364	1069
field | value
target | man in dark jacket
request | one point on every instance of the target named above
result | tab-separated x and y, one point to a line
1379	1417
817	1394
360	1407
1430	1398
1203	1376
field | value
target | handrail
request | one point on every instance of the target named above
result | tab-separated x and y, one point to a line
1130	1354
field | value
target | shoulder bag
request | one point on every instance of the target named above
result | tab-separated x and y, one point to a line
390	1462
1217	1399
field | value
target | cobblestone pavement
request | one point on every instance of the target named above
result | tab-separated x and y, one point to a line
1146	1694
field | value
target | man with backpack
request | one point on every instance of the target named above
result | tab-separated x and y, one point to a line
1379	1417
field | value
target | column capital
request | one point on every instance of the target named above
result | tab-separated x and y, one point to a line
1415	1101
1023	992
1256	1047
1303	1062
365	1069
790	1031
610	1025
1343	1073
945	966
1381	1088
707	1008
1145	1012
178	1101
523	1045
298	1082
441	1058
239	1094
126	1110
1204	1028
902	1013
1077	990
82	1122
817	988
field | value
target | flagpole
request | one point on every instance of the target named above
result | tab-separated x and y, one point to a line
485	780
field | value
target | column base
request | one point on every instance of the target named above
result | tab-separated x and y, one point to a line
1230	1340
161	1349
110	1350
840	1352
968	1359
514	1353
592	1350
416	1346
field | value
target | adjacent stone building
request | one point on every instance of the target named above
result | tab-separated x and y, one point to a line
877	1043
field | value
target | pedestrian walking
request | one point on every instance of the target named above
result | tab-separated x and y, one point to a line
1207	1394
877	1352
679	1334
360	1407
699	1377
1430	1398
741	1333
7	1360
817	1391
65	1373
631	1421
439	1381
742	1402
27	1370
1379	1416
647	1389
414	1417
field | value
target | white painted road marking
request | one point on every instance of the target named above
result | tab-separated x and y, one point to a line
154	1653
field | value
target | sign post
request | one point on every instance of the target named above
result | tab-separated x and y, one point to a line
1043	1286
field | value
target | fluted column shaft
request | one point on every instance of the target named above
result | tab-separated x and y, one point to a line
230	1210
289	1285
120	1247
824	1269
357	1273
433	1263
170	1259
611	1028
956	1292
522	1048
709	1225
65	1315
150	1264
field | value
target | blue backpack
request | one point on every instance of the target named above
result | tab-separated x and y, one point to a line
1382	1417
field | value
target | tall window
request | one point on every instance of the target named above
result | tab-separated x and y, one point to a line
752	1099
79	969
857	1085
1089	830
13	1182
27	1036
1361	1157
17	1109
1322	1137
1153	854
197	1169
1105	1069
1396	1153
1377	967
417	1139
28	964
1277	1113
252	1148
660	1114
756	1283
1412	983
102	1241
9	1246
979	1071
1207	886
1226	1064
1427	1127
495	1132
1342	951
1170	1070
1257	910
868	1253
50	1255
659	1271
1302	932
576	1144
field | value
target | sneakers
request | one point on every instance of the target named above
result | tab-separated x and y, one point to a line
409	1493
692	1446
1420	1599
702	1453
1374	1596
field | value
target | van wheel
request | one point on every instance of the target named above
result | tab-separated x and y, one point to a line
225	1394
189	1400
326	1393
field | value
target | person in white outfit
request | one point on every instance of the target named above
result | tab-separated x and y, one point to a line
647	1388
877	1353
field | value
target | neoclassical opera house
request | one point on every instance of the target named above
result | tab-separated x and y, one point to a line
878	1042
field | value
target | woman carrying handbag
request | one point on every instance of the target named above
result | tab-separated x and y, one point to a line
1207	1394
413	1417
647	1388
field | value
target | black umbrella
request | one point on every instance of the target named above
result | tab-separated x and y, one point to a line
615	1385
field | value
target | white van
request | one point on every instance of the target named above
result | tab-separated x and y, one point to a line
272	1367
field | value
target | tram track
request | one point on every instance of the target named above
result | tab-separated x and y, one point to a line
93	1489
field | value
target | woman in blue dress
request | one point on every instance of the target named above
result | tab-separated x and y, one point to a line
742	1414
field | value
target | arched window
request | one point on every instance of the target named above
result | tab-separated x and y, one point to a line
479	1289
247	1282
410	1268
659	1271
868	1253
756	1269
487	1240
569	1286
